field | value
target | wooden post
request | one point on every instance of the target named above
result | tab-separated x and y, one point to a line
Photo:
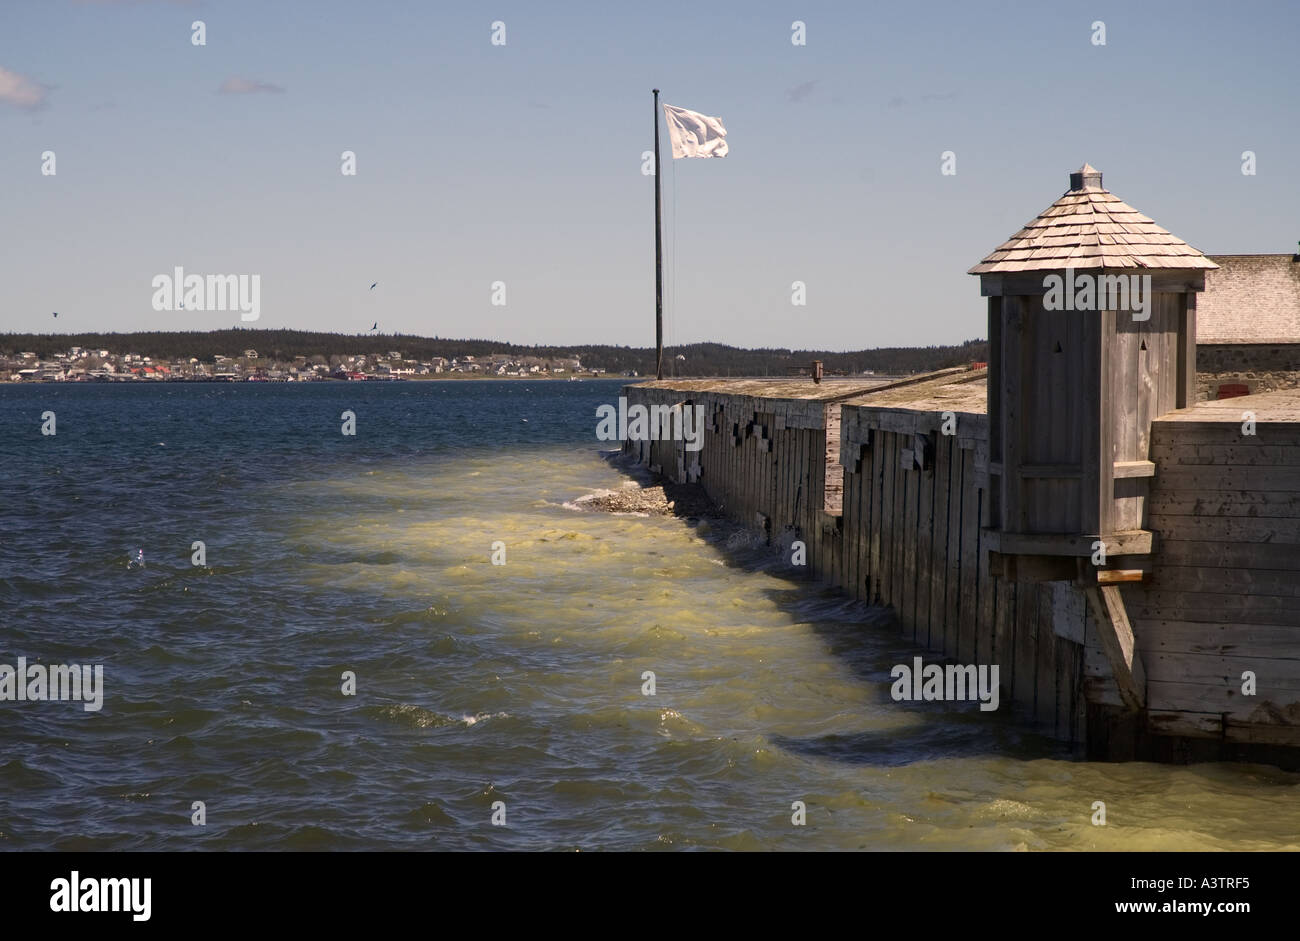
659	256
1186	353
1117	641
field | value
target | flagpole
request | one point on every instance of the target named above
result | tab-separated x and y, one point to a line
659	256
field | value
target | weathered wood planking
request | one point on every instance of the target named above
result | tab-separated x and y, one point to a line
1221	600
971	498
937	635
958	518
907	567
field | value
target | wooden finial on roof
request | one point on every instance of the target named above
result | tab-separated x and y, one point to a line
1086	177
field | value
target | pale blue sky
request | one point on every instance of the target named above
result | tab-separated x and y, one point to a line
521	163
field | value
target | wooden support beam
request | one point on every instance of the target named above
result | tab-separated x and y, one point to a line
1116	636
1132	542
1116	576
1030	283
1134	469
1118	570
1185	394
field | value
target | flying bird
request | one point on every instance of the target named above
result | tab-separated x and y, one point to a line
376	326
372	287
56	313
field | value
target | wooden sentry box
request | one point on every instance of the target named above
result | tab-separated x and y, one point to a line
1073	393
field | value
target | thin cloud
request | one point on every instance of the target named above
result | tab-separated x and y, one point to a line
21	92
246	86
800	92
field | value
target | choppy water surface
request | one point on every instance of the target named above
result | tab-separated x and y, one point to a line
478	683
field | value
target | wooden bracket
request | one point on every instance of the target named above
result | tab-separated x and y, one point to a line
1118	570
1117	641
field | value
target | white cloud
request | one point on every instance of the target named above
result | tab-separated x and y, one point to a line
21	92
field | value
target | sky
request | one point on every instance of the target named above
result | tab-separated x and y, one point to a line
522	163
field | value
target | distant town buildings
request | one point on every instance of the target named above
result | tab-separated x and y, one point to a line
83	365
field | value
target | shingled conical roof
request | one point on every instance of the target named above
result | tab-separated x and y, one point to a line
1090	228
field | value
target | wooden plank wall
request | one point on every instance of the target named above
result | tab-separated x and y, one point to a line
914	504
834	476
1144	384
1049	412
913	539
763	461
1224	596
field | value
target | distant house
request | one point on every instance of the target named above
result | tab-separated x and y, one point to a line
250	354
1248	326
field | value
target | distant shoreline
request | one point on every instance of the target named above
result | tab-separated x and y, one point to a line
442	377
308	350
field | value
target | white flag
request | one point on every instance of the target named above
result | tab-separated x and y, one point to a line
694	134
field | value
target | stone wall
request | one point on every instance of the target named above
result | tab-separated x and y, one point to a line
1258	367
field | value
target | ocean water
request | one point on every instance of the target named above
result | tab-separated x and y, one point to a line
478	685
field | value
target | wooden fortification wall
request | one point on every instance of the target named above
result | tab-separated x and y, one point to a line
905	529
907	536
